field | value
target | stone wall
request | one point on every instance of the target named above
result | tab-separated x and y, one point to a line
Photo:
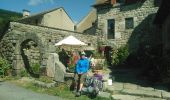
142	13
14	43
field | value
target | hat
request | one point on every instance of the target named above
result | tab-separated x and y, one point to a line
82	53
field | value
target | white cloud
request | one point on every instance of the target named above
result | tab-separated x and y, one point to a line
38	2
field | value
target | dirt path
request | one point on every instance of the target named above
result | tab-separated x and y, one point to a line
10	91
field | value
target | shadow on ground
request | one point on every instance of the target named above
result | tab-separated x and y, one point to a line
131	75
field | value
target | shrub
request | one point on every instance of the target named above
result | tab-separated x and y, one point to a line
35	68
98	55
120	56
4	67
23	73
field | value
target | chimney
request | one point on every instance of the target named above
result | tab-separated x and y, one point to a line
26	13
113	2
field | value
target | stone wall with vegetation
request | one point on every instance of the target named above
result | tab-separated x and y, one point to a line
143	30
25	44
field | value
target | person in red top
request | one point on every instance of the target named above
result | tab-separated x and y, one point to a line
76	57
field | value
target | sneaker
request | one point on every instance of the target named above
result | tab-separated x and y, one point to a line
78	94
74	91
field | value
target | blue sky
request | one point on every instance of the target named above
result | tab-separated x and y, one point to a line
77	9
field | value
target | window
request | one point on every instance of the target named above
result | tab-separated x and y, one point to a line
111	29
129	23
75	27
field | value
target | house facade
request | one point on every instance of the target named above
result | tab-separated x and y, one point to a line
121	22
55	18
88	23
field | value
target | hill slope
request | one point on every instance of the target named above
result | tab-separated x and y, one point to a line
7	16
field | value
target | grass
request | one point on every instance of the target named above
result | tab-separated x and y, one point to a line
8	78
61	90
45	79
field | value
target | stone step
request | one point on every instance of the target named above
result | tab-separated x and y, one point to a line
114	87
166	95
157	94
131	97
146	98
104	94
124	97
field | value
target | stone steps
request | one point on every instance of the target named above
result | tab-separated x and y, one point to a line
156	94
127	87
133	92
130	97
124	97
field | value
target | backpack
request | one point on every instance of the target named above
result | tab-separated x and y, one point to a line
93	82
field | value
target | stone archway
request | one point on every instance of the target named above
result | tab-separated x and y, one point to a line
31	57
29	52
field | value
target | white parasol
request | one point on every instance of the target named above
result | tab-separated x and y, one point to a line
72	42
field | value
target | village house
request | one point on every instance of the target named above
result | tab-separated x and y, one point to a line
55	18
88	23
121	22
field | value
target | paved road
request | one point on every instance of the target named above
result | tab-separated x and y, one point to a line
10	91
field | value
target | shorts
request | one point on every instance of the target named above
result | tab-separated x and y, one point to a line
81	77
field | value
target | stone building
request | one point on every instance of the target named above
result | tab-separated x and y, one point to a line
121	22
55	18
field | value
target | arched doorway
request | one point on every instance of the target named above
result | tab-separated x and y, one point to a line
31	57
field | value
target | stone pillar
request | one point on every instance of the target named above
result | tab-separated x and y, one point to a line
55	68
52	48
60	70
50	66
17	64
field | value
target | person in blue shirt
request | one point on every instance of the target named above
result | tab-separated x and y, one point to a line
82	68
